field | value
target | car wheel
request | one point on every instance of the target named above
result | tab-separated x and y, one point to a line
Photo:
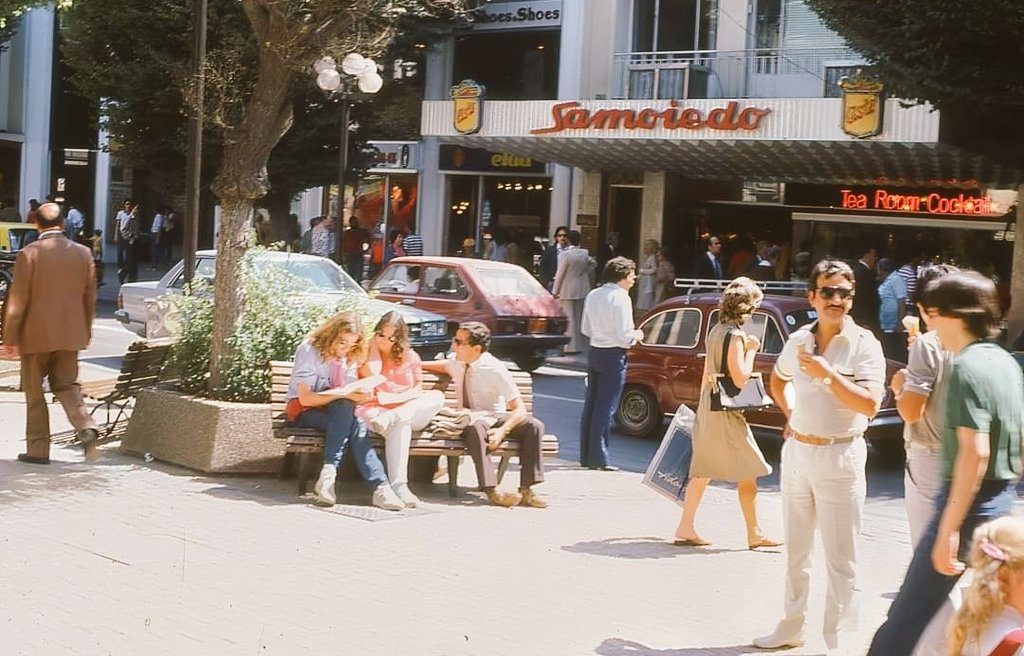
528	362
5	283
638	413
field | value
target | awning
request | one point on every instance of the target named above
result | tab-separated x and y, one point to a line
816	162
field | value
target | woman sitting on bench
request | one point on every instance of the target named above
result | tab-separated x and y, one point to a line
323	393
399	405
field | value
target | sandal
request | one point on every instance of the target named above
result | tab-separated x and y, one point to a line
691	542
763	542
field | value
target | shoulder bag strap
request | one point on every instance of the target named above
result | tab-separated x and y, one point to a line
1011	642
730	386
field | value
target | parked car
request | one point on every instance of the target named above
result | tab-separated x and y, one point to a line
527	323
326	280
665	368
12	238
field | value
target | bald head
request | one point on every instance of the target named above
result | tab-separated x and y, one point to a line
48	216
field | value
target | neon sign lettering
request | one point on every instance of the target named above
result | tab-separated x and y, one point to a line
933	203
571	116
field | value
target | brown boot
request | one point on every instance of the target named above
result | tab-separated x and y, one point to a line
531	500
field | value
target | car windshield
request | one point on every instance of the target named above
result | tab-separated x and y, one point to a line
509	281
799	318
320	275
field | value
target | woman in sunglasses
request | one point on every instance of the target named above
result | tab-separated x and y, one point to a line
323	393
399	405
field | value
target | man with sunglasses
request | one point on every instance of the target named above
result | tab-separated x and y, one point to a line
484	386
837	373
549	260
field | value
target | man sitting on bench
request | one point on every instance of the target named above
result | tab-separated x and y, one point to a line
484	385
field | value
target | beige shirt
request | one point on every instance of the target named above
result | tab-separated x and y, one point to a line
487	382
854	353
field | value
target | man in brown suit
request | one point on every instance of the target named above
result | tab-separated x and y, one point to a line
50	308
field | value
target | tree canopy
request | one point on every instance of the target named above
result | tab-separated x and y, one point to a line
963	57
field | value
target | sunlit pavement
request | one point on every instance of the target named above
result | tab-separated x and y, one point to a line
129	557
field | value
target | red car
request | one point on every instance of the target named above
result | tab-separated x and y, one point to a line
526	321
665	369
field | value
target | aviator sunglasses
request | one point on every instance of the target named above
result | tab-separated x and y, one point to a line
828	292
390	338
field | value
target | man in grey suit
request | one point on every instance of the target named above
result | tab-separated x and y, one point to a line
49	313
571	286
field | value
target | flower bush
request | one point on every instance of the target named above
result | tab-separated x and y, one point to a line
276	316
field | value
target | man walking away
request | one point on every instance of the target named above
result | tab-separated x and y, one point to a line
981	451
837	372
50	308
608	322
75	224
413	244
125	233
865	306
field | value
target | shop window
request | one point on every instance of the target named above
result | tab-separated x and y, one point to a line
512	66
444	282
675	328
674	25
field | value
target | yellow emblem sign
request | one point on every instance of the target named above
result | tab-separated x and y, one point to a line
468	97
863	106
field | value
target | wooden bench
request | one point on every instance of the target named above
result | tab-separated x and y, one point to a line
305	445
143	365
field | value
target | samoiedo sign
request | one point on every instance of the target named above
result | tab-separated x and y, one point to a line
573	117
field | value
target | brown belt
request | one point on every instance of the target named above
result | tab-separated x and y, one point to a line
822	441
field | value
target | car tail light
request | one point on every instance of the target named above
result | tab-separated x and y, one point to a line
557	326
120	301
506	326
537	325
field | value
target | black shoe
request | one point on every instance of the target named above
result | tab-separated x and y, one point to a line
88	435
33	460
605	468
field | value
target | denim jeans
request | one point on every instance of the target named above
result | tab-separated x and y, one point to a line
338	421
606	375
924	590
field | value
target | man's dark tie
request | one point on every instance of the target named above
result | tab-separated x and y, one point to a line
718	267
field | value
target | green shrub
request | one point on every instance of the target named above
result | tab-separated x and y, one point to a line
276	316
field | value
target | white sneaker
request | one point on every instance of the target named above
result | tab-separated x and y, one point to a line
324	488
385	498
780	640
405	494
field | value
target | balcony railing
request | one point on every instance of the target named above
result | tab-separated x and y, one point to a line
765	73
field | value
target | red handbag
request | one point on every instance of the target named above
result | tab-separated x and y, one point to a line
1010	644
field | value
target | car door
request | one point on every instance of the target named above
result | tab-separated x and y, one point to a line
669	355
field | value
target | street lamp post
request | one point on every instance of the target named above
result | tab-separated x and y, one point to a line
194	167
368	81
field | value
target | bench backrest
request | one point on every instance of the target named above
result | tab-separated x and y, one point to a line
143	365
281	372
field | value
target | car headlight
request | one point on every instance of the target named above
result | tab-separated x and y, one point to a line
432	329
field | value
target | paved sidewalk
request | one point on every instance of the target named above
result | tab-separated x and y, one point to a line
126	557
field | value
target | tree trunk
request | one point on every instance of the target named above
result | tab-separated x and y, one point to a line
1015	323
241	181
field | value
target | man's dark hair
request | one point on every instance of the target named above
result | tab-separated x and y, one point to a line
561	228
316	220
48	216
575	238
927	274
827	269
478	334
394	234
965	295
617	268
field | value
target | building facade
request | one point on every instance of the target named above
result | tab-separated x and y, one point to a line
677	119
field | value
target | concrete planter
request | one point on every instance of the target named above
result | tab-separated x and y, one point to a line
211	436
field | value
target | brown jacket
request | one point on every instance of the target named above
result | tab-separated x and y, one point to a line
52	300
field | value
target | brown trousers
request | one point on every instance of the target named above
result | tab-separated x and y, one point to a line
61	369
530	434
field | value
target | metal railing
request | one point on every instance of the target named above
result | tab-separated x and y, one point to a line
778	287
762	73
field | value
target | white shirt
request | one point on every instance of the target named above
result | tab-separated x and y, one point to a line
854	353
488	384
75	218
158	223
608	317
